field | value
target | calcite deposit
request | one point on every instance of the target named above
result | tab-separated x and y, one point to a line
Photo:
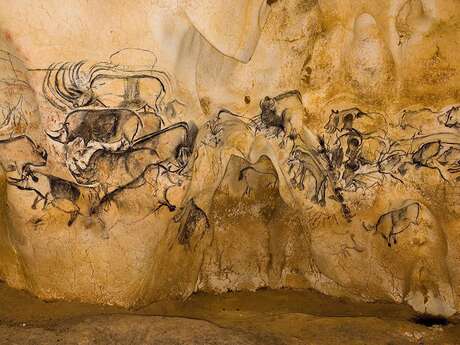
153	149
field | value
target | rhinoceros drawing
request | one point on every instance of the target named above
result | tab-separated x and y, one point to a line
108	126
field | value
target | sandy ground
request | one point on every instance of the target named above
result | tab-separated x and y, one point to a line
264	317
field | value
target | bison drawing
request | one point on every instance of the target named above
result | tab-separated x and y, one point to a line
394	222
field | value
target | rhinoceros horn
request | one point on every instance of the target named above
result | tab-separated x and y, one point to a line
60	135
15	181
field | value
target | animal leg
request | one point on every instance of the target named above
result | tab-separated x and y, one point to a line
391	238
47	201
166	201
73	217
303	172
36	201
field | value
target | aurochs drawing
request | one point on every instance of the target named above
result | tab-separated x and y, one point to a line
394	222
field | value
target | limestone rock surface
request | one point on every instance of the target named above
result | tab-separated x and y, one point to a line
153	149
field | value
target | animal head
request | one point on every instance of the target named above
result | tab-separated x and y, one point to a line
70	85
27	180
42	152
450	157
268	103
214	133
403	122
451	118
350	115
354	143
390	163
183	154
295	157
333	123
426	152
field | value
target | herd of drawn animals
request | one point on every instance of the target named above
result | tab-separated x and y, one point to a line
113	145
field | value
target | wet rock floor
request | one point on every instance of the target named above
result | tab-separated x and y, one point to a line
264	317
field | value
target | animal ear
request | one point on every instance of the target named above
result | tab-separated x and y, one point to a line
42	151
264	101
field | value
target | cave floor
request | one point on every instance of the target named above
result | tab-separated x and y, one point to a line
264	317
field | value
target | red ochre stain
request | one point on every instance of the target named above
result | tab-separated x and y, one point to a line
8	36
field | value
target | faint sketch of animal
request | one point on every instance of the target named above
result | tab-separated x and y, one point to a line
262	167
392	223
420	120
149	190
14	120
51	190
450	158
411	19
426	152
431	155
105	126
66	86
151	122
133	98
393	164
19	151
73	85
343	119
173	109
451	117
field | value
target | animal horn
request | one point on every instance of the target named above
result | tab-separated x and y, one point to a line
49	92
54	135
13	180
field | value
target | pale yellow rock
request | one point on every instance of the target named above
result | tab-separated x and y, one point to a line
153	149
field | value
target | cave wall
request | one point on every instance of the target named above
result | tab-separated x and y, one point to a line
150	150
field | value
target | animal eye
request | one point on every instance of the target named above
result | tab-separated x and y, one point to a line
354	142
353	166
348	117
